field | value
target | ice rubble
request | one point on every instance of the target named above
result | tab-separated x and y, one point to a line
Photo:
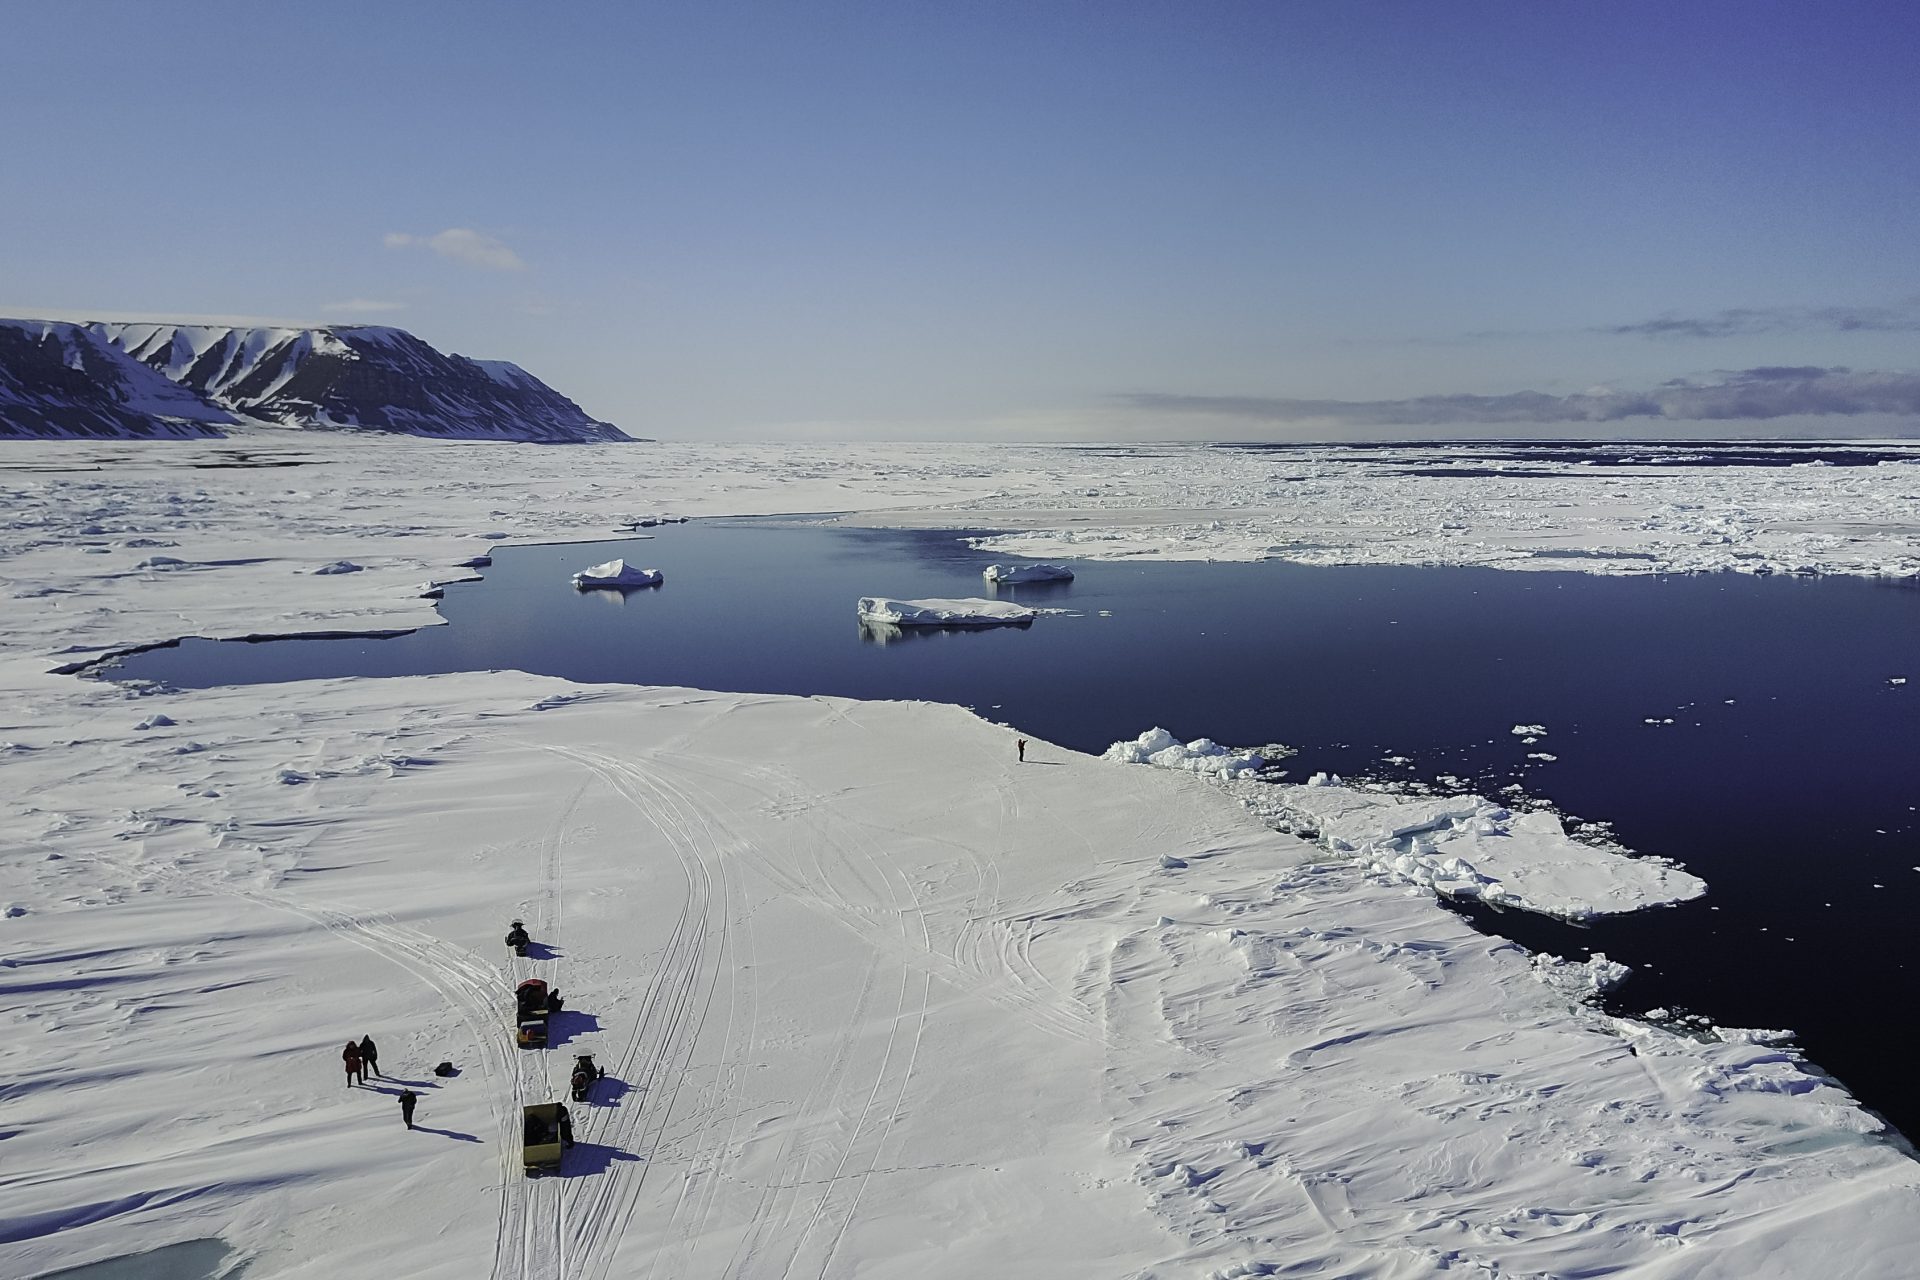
1015	573
617	573
1203	755
942	613
1460	846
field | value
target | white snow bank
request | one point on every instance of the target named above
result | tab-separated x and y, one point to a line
943	613
1470	847
1012	573
1203	755
617	573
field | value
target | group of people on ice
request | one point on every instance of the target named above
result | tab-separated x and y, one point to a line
362	1058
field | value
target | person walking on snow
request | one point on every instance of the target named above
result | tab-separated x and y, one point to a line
356	1072
1020	745
408	1100
370	1056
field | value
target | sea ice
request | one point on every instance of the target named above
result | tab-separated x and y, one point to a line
943	613
617	573
1012	573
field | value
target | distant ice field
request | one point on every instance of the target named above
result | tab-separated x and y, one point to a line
1752	727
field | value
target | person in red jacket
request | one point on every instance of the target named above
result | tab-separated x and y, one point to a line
356	1071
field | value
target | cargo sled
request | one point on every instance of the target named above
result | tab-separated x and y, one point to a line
533	1003
543	1133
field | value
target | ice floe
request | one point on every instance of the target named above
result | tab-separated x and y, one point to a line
1016	573
942	613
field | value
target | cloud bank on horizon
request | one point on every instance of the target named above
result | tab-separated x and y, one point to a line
1760	394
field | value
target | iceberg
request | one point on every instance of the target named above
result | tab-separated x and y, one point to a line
616	573
1012	573
943	613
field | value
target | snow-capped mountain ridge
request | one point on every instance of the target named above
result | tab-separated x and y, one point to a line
61	379
366	377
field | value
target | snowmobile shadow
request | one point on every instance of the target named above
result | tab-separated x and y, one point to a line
584	1158
568	1023
541	951
445	1133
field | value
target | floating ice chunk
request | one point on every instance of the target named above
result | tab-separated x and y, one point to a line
1541	755
617	573
1203	755
1896	679
339	566
1594	977
943	613
1011	573
1529	731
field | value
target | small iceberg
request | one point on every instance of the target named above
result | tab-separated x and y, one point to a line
616	573
943	613
1012	573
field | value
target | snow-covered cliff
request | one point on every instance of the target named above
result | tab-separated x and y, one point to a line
59	379
362	377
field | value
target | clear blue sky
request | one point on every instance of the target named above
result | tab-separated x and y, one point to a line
1032	218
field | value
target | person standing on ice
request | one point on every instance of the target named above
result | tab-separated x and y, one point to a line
369	1056
408	1100
350	1057
1020	745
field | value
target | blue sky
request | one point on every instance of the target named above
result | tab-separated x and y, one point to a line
1012	220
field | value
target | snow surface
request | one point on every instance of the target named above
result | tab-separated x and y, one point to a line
1014	573
942	613
875	998
617	573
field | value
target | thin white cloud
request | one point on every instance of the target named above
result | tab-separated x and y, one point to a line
463	245
362	306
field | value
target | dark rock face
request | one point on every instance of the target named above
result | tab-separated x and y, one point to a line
60	380
166	379
365	376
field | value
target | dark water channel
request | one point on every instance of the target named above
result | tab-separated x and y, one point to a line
1782	766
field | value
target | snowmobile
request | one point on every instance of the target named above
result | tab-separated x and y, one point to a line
517	938
584	1075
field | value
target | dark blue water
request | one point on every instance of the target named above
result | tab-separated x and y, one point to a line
1786	778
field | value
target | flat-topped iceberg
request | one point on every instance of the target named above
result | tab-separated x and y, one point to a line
943	613
1012	573
617	573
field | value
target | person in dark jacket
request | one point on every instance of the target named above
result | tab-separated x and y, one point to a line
350	1058
369	1057
1020	745
408	1100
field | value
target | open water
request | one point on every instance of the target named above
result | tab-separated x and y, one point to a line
1751	728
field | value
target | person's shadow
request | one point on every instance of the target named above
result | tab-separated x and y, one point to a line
445	1133
568	1023
584	1158
541	951
607	1092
